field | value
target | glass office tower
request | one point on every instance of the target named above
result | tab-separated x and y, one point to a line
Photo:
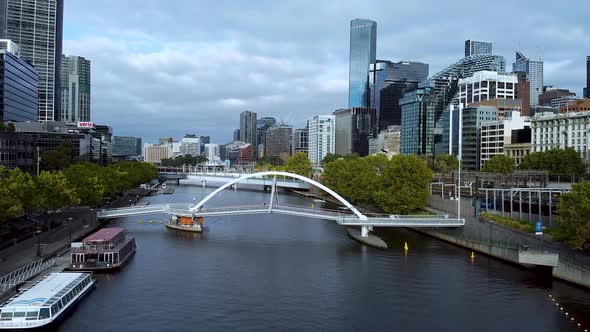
75	86
363	40
36	27
18	89
248	130
534	73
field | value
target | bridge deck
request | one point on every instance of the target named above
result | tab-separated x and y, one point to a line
341	217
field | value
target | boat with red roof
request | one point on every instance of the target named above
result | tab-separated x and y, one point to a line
107	249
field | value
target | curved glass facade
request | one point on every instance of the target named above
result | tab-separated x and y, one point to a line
18	89
363	39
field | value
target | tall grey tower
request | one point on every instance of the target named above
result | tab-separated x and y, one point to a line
475	47
75	89
587	89
248	130
363	49
36	26
534	73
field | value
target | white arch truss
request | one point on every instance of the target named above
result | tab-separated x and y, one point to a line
287	174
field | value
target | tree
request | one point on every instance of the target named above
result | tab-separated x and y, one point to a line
330	157
63	157
556	162
85	178
54	191
10	127
272	160
403	185
183	160
299	164
574	208
499	164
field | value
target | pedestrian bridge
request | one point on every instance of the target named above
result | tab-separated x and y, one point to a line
347	216
205	178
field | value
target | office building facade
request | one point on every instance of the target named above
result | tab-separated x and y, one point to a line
212	152
363	50
418	120
534	73
495	135
17	150
475	47
75	89
127	147
562	131
262	125
36	27
154	153
301	141
354	127
278	141
321	137
190	145
248	132
18	88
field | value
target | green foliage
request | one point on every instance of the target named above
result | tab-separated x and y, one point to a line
556	162
183	160
56	160
10	128
444	163
299	164
520	225
330	157
87	180
270	160
575	209
54	191
399	185
499	164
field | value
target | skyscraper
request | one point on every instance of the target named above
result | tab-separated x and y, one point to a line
278	141
321	137
418	119
534	73
587	89
18	87
354	127
301	140
75	89
262	125
248	130
474	47
388	82
363	49
36	27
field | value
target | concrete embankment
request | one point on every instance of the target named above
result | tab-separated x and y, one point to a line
504	243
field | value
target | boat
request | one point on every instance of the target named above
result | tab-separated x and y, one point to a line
46	301
107	249
186	224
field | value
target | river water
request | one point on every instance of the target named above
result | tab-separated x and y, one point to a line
272	272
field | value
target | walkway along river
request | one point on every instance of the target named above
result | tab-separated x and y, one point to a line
263	272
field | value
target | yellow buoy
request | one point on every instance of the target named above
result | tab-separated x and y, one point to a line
472	255
406	246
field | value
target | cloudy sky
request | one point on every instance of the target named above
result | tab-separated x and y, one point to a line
169	67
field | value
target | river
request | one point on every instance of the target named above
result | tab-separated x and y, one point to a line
274	272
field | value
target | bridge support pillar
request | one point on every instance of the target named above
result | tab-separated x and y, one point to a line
365	231
204	182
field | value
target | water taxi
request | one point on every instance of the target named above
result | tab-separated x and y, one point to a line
45	301
186	224
106	249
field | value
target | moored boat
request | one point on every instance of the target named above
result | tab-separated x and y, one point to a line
106	249
186	224
45	301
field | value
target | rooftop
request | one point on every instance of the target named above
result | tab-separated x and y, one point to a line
105	234
44	290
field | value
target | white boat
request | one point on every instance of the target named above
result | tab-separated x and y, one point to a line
46	301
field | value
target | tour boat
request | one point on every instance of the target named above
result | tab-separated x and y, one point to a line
186	224
46	301
106	249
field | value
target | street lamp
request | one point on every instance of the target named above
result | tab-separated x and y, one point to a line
70	227
38	233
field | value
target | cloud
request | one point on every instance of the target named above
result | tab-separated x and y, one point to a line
175	67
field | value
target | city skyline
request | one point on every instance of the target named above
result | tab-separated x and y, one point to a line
156	73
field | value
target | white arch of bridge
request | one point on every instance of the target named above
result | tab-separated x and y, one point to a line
287	174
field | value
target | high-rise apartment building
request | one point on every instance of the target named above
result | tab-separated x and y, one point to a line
485	85
262	125
36	27
248	131
154	153
190	145
354	127
278	141
301	140
75	89
363	50
321	137
18	88
534	73
475	47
